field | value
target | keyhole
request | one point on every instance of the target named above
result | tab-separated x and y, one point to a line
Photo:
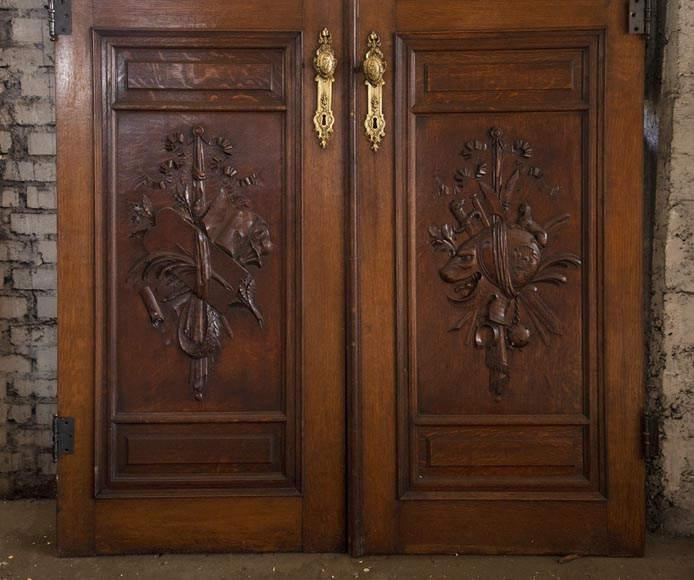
325	119
375	123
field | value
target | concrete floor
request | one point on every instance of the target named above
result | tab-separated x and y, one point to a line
27	553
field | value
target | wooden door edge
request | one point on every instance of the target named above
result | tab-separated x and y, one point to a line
623	319
75	186
355	461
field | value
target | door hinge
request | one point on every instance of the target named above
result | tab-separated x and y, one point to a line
59	18
651	436
63	437
640	17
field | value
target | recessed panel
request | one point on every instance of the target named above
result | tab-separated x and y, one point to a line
496	264
200	72
158	259
514	77
179	454
496	297
200	262
508	457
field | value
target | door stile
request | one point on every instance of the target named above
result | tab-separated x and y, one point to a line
623	289
325	328
355	439
76	280
375	215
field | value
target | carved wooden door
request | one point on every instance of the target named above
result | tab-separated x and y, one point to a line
443	230
499	279
202	257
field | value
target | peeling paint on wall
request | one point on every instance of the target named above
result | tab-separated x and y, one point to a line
671	315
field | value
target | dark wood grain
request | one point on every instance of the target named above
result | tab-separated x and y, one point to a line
623	290
324	323
203	166
201	14
376	261
208	69
496	75
214	525
355	438
355	407
484	436
256	367
434	329
76	283
503	15
481	528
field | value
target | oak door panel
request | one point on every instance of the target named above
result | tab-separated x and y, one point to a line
499	75
495	264
202	322
499	411
147	74
186	191
494	293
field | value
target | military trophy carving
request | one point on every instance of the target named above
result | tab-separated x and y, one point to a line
499	255
201	248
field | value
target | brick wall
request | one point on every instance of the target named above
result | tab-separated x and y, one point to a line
27	250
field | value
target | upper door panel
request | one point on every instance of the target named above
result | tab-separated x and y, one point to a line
201	255
497	222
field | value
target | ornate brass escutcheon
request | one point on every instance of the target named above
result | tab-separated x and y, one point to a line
374	69
325	63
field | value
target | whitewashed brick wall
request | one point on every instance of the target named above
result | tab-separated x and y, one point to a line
27	250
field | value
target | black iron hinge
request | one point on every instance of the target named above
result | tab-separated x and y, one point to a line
651	436
641	17
59	18
63	437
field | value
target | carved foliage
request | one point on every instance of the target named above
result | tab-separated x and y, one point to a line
201	248
498	254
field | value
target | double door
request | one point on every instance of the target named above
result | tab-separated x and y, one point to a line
350	275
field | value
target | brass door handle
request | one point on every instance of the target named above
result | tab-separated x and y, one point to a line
325	64
374	69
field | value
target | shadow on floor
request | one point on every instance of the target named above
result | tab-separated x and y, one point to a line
27	552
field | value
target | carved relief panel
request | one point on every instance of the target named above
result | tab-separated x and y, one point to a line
497	275
200	261
202	247
497	252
